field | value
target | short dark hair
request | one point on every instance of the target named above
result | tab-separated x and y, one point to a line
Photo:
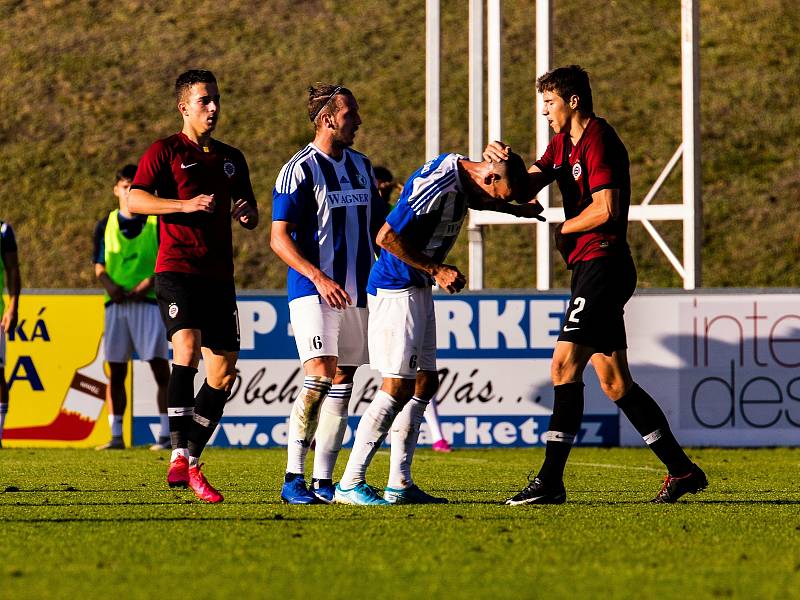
186	80
513	169
126	173
383	174
320	96
568	82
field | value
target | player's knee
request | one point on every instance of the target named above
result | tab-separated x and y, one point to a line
562	372
615	388
427	384
223	381
117	373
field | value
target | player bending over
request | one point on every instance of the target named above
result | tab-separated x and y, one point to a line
415	239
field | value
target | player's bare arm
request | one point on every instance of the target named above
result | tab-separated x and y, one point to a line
141	202
116	292
446	276
245	213
14	284
285	247
529	210
141	289
604	208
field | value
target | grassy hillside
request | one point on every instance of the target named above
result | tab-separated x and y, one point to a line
87	87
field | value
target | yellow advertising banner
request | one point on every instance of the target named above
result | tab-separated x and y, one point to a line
56	374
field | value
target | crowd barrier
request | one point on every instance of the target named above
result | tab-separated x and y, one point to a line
724	366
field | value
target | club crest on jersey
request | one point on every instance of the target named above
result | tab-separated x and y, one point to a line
229	169
362	181
576	171
173	310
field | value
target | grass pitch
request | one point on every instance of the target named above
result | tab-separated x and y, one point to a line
85	524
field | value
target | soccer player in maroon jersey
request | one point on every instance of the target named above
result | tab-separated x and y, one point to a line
197	185
590	164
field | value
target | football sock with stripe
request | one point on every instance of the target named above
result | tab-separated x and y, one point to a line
372	430
404	435
649	420
303	421
432	420
208	408
565	423
180	404
331	429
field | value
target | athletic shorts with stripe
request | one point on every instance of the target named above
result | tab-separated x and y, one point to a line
402	332
595	314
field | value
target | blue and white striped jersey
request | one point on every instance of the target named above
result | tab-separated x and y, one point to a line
429	214
334	205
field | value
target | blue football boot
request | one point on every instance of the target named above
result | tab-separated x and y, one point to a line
412	495
296	492
361	495
323	490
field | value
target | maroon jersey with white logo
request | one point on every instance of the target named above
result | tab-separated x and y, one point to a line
176	167
598	161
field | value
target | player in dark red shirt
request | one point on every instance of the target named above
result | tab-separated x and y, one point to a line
590	164
197	185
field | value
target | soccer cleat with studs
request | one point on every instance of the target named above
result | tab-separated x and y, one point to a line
201	488
675	487
296	491
411	495
178	473
362	494
538	492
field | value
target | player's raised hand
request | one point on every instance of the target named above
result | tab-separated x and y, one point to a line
496	151
531	210
331	292
201	203
449	278
244	213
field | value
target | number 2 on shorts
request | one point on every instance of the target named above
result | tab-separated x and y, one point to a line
579	303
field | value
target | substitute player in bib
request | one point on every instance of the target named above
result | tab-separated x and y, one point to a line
125	249
197	185
326	211
415	240
9	277
590	164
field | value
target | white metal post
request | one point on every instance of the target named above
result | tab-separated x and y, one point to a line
432	61
543	59
690	103
475	232
494	70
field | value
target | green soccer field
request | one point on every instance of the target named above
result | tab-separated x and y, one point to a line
85	524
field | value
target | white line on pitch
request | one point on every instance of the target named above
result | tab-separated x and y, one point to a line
607	466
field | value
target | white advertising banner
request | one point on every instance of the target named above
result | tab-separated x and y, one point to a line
723	366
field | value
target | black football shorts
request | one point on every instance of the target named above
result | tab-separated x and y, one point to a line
600	288
192	301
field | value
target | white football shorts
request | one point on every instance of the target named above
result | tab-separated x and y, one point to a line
320	330
402	332
134	326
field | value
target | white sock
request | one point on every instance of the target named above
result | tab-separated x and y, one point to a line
372	430
331	429
303	421
115	422
194	461
3	413
184	452
163	418
432	419
405	431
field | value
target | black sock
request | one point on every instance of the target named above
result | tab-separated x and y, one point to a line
564	426
180	402
208	408
651	423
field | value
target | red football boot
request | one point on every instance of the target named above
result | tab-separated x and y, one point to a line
178	474
200	486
